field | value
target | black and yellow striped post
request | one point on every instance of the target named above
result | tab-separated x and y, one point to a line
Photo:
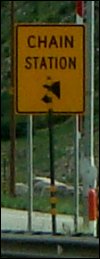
52	175
53	201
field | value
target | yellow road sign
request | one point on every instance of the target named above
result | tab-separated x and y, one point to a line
49	68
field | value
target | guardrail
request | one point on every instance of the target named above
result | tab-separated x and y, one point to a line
48	246
22	255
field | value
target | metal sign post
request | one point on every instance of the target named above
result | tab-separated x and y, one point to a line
52	175
79	20
12	119
89	117
76	177
30	170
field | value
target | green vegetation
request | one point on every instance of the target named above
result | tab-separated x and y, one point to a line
62	135
41	167
63	143
63	206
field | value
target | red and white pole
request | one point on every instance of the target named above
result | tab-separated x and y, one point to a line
79	11
92	211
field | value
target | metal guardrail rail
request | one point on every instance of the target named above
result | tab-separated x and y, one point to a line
28	255
48	246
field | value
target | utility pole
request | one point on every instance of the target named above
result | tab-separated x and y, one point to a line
12	114
77	133
89	117
88	168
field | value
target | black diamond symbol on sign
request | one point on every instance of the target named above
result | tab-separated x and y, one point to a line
47	99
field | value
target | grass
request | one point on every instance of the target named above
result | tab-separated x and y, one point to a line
65	205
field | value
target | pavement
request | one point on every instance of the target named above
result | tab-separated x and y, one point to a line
19	220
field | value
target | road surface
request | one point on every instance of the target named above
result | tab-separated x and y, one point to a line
18	220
